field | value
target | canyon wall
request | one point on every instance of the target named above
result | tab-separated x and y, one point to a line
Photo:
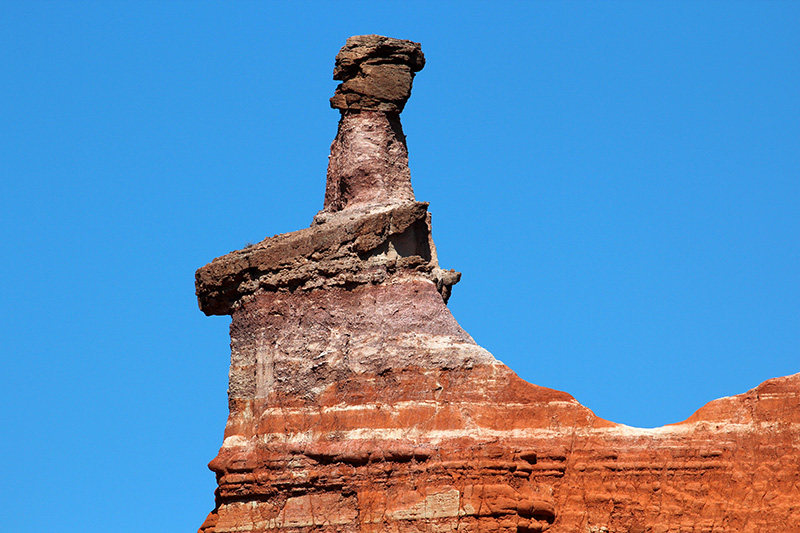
358	404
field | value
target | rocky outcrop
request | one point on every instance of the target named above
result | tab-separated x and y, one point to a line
358	404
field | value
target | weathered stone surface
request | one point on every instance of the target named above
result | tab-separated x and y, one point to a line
348	249
368	164
358	404
376	73
369	157
391	451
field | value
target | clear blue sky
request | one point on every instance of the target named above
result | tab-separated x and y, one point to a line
618	181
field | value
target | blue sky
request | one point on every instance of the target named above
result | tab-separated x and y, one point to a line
617	181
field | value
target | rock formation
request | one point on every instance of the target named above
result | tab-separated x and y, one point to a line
369	158
358	404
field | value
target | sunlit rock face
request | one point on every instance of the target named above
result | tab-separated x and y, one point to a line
358	404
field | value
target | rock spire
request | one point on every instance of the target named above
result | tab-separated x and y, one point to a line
369	157
359	405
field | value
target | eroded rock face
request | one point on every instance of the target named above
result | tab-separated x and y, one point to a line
368	164
369	157
376	73
358	404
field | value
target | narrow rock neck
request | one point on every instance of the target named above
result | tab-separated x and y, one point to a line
368	163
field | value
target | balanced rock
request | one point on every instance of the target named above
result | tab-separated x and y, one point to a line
376	73
369	157
358	404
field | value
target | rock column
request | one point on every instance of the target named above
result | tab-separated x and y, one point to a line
369	158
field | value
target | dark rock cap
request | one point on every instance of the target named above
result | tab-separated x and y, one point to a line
376	73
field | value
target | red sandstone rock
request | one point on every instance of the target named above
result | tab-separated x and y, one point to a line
357	403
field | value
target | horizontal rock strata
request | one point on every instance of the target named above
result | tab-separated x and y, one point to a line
358	404
376	73
353	248
437	450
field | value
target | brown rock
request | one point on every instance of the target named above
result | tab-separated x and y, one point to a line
358	404
376	73
361	247
369	157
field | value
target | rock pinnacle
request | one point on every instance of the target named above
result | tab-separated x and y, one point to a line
369	157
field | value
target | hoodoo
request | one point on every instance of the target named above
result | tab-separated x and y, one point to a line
357	402
369	157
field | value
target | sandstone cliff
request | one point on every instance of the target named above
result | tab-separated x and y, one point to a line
357	403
